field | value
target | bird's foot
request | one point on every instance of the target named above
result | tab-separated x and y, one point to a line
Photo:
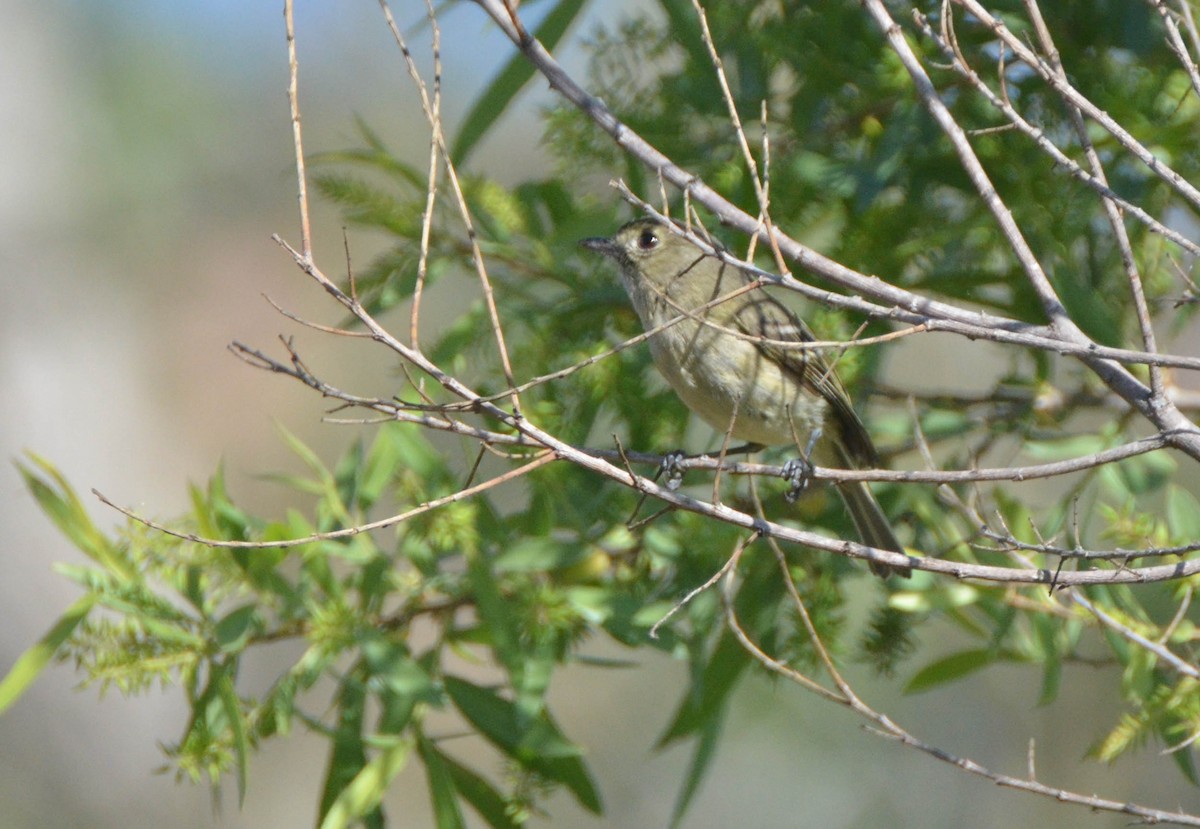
798	472
672	468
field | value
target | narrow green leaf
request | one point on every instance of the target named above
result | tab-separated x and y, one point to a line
706	703
347	471
323	484
349	755
706	749
488	803
397	680
1183	515
1069	447
494	716
30	664
1186	762
1046	630
492	102
495	613
531	684
241	745
540	554
950	668
382	462
572	772
360	799
540	745
227	519
235	629
442	792
58	500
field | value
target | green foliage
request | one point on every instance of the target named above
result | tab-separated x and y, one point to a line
512	581
495	99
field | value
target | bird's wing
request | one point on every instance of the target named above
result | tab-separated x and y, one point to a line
779	326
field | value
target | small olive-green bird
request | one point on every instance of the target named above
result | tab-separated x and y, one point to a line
731	363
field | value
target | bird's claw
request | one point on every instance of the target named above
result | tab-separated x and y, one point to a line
798	472
672	468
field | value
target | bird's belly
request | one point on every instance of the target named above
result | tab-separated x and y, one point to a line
729	381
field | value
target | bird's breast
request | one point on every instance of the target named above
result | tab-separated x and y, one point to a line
734	387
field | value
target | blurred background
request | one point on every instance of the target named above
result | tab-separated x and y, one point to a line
145	161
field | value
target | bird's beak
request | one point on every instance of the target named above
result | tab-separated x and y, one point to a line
601	245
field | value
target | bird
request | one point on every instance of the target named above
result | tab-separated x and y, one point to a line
732	361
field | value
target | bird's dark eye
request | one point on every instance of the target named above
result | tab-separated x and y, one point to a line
647	240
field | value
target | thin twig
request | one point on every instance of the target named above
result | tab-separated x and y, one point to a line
345	532
1115	221
294	106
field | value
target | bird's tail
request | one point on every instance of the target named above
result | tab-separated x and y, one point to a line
873	527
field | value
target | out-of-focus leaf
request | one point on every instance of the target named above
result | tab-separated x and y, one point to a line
496	614
482	796
30	664
539	554
540	745
1183	515
443	794
236	627
950	668
347	758
359	800
718	679
399	680
1185	761
1046	629
60	503
706	747
233	713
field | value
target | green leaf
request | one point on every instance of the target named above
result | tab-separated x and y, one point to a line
348	757
1075	446
531	684
539	745
480	794
442	792
382	462
706	749
492	102
235	629
539	554
1183	515
233	712
1046	629
495	613
60	503
31	663
397	679
362	796
1186	762
949	669
706	702
497	719
347	472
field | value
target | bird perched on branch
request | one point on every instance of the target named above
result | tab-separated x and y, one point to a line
732	358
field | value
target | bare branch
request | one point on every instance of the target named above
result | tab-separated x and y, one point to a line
294	105
1120	234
